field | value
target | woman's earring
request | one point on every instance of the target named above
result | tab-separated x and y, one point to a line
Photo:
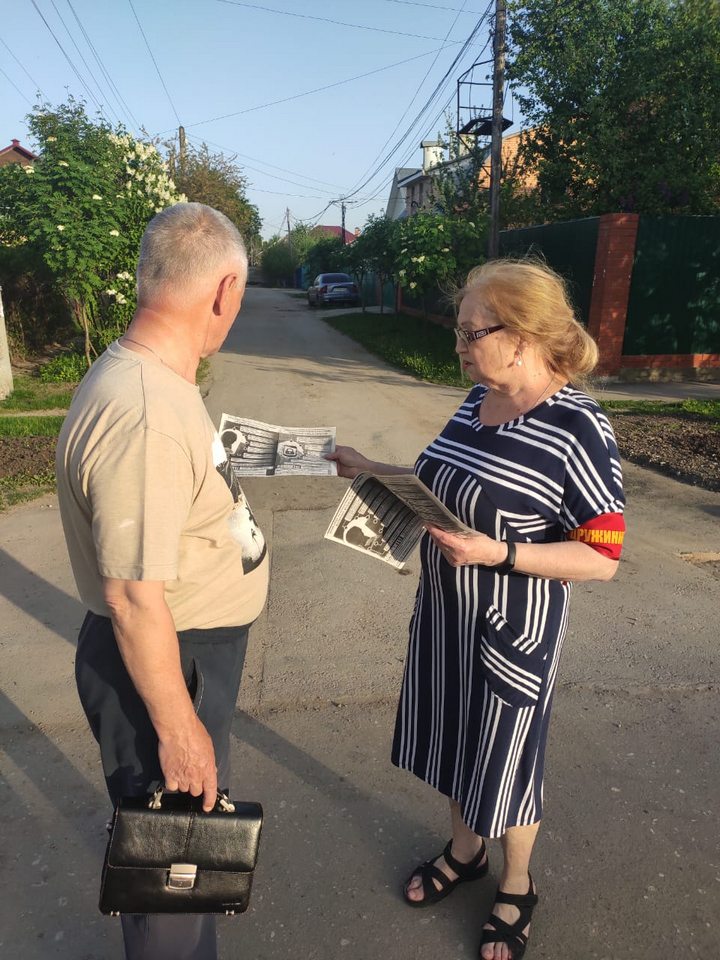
518	358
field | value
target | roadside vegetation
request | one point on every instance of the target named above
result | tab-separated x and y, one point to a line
681	440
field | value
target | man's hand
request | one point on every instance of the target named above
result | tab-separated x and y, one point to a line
187	760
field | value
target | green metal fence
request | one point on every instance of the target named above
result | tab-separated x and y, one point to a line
568	247
674	302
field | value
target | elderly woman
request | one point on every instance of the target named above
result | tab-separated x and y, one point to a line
492	609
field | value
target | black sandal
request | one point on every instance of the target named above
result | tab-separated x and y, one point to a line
474	870
512	933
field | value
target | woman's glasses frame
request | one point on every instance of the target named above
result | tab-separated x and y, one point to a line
469	336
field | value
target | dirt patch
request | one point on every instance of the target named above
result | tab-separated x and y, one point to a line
27	456
680	446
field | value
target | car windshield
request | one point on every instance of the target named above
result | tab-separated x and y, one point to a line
334	278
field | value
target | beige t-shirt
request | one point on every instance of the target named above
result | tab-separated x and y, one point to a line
146	493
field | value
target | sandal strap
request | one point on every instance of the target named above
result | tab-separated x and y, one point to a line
429	872
519	900
503	932
464	870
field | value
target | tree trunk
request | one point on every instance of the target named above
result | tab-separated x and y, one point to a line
6	377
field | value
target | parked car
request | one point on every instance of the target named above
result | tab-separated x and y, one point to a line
335	288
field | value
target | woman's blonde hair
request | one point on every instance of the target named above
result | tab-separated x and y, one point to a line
531	300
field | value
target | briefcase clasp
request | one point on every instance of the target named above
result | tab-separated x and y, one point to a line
182	876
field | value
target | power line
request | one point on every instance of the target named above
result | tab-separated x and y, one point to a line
247	166
415	95
265	163
280	193
13	84
34	82
433	6
152	57
122	103
85	63
306	93
337	23
435	94
64	53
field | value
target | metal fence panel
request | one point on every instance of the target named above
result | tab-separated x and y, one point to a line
674	304
568	247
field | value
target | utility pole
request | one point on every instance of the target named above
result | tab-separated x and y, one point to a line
497	127
181	140
287	214
6	377
342	209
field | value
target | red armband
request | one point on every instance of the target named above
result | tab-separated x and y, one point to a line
604	534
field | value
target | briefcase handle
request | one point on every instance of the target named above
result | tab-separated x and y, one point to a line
223	804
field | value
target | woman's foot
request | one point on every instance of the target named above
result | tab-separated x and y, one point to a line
433	880
505	935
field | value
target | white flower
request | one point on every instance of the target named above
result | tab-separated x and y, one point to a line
114	233
60	227
401	273
111	293
51	140
63	163
413	285
29	169
446	249
413	259
121	299
440	227
420	259
471	224
96	196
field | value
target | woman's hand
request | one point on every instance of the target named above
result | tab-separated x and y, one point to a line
460	551
350	462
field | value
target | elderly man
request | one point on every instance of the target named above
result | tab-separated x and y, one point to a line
165	551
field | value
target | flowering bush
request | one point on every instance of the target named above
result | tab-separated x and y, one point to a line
81	211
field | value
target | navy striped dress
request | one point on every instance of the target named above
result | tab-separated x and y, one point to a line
484	647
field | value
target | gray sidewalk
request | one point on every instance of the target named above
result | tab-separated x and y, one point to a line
627	862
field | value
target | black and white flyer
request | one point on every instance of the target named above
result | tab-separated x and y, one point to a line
257	449
384	516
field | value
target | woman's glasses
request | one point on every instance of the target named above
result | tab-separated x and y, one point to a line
468	336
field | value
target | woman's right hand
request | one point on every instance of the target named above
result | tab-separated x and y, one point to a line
350	462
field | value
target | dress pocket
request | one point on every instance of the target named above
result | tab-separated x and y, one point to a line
514	663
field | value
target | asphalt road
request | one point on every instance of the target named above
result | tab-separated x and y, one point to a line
627	865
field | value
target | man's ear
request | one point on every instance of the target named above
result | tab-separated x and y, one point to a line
225	287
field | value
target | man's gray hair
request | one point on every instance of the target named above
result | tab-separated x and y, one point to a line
185	244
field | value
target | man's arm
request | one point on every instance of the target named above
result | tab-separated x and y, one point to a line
148	644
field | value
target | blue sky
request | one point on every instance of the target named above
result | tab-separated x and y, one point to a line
232	60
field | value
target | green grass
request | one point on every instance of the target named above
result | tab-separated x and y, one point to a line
412	344
30	393
707	409
30	426
14	490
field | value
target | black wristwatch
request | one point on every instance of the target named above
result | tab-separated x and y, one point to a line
508	563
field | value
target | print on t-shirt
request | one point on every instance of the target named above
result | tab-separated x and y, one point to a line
243	525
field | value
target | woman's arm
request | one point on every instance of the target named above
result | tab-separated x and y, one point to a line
350	463
568	560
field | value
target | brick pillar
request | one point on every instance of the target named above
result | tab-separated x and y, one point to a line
614	257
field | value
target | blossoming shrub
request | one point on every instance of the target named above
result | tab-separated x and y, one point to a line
80	212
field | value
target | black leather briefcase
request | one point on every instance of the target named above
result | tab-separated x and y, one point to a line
166	856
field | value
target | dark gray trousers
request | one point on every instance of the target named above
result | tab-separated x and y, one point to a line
212	663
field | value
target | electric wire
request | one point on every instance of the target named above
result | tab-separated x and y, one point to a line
157	68
85	63
33	81
120	100
415	96
337	23
306	93
432	6
64	53
428	105
275	176
13	84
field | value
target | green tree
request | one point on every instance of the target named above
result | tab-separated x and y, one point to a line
80	212
279	261
436	251
326	255
218	181
375	251
623	98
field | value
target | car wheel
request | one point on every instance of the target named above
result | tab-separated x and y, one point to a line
310	303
